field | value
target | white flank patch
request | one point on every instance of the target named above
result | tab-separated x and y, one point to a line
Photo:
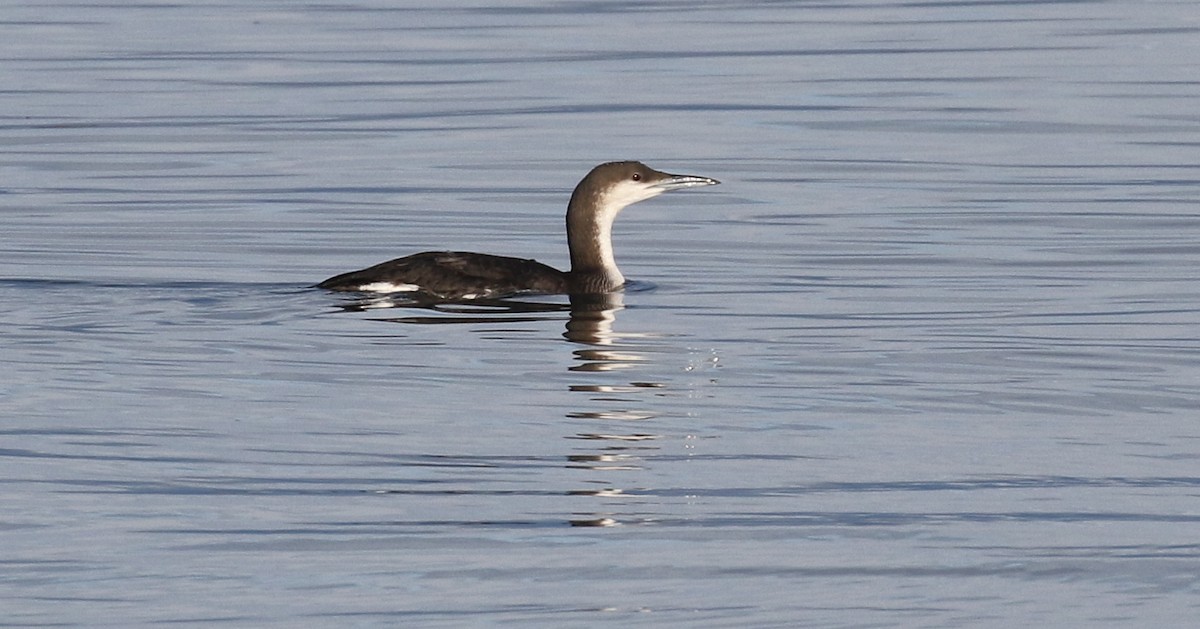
388	287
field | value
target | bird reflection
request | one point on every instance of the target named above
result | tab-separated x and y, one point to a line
460	312
604	353
611	423
592	318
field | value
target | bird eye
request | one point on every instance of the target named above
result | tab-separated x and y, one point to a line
637	176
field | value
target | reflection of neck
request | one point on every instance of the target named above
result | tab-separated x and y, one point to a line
592	317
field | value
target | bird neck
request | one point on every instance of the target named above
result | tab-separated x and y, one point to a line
589	239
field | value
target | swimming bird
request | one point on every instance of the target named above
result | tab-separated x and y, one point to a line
456	275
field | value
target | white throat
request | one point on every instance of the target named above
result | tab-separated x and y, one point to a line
604	237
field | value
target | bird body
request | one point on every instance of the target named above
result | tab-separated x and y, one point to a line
454	275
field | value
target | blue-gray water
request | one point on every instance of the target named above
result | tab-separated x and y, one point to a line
930	356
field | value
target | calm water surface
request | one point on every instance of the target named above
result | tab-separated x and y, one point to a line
928	357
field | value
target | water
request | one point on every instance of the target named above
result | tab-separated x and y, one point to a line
928	357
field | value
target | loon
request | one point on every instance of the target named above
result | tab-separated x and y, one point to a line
454	275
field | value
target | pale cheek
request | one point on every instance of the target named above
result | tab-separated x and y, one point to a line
629	196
